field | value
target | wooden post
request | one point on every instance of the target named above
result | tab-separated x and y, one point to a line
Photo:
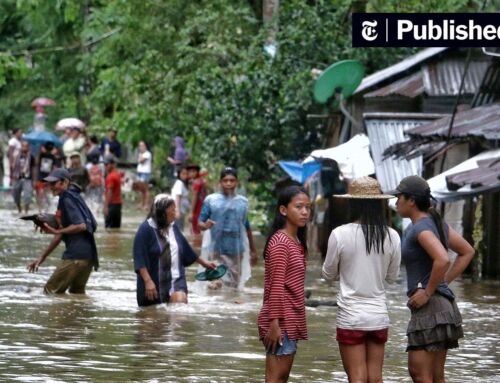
477	236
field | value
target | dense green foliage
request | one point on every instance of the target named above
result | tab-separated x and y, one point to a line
156	68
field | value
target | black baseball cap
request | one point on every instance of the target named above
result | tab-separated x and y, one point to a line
58	174
228	170
413	185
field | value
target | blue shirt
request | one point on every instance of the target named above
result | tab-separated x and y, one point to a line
230	214
74	211
417	262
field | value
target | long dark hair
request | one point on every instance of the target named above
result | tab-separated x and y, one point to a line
285	196
157	211
424	204
372	216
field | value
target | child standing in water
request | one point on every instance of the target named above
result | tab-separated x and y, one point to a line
282	319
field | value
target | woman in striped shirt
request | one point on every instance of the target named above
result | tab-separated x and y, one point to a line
282	319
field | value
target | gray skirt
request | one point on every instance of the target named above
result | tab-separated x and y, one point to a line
436	326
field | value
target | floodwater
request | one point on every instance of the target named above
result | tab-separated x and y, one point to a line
105	337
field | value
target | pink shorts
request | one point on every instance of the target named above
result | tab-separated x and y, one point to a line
353	337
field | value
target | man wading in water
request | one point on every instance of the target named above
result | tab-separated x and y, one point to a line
77	227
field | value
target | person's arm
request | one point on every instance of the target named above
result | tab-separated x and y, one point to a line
465	253
34	265
71	229
394	263
149	285
140	253
173	161
330	270
440	262
10	156
178	198
277	271
253	251
107	196
194	200
204	221
206	264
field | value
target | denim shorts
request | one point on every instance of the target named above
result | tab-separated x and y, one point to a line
288	347
143	177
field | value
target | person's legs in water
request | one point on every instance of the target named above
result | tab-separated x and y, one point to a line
27	194
233	273
278	368
424	365
374	361
362	353
279	364
60	279
81	274
17	189
354	361
178	297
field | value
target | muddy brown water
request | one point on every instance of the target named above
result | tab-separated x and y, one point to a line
105	337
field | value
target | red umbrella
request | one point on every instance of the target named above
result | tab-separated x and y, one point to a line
42	101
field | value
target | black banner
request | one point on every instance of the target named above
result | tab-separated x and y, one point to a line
426	30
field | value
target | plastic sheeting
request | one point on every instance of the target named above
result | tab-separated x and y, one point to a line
353	157
299	172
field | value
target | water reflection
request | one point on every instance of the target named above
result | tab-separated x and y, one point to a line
104	337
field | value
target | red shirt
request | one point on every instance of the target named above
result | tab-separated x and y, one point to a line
285	271
114	182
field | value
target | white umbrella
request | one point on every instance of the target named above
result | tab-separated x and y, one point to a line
71	122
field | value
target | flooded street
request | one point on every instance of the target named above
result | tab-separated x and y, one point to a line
104	336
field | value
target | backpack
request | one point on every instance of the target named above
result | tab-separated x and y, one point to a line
95	175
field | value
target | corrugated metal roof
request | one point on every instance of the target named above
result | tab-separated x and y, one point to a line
489	90
385	129
443	77
397	68
411	86
483	121
487	174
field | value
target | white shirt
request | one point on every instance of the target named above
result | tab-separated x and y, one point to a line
16	144
361	298
174	254
145	166
180	189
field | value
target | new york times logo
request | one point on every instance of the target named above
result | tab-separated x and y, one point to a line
425	30
369	32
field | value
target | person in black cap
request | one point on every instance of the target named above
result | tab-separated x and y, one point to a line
435	324
76	228
224	216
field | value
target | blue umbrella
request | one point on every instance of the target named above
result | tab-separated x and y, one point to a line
39	138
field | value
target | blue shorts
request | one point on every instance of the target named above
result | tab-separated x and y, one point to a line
143	177
288	347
